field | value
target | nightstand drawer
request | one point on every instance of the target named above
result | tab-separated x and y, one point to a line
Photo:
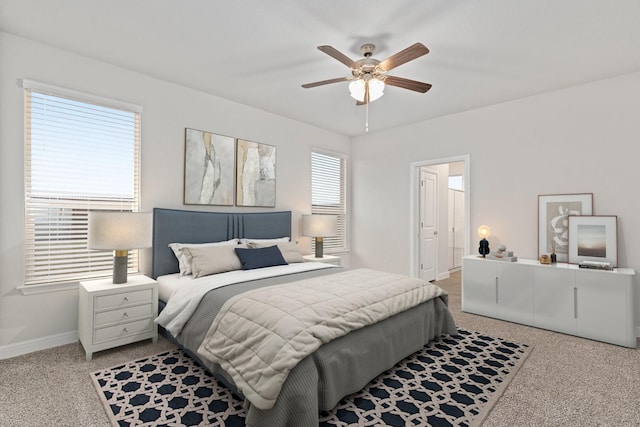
121	299
123	330
123	315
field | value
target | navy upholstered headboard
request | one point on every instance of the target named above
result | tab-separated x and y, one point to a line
178	226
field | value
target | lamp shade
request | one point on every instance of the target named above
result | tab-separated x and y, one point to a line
119	230
484	231
319	225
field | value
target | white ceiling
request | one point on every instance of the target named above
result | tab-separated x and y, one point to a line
259	52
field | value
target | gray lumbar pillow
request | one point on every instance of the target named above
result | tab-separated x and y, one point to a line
214	259
289	250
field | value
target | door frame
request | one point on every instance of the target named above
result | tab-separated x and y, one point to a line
414	214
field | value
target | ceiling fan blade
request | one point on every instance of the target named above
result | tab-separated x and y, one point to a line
325	82
334	53
412	52
407	84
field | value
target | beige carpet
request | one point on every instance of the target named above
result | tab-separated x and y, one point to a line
566	381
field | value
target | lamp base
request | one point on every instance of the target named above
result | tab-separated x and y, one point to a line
120	262
319	247
484	248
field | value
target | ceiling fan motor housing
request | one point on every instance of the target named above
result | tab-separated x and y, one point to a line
367	67
367	49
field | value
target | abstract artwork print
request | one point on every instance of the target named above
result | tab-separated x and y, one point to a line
255	174
554	211
208	168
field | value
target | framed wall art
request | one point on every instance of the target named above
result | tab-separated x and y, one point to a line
255	174
553	221
593	238
209	165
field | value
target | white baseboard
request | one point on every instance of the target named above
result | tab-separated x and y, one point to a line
443	276
24	347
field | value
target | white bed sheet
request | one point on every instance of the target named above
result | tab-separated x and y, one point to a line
169	283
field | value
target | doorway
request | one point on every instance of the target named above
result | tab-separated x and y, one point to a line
439	226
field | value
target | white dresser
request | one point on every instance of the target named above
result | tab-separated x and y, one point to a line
112	315
560	297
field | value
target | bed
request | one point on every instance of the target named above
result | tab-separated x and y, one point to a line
318	381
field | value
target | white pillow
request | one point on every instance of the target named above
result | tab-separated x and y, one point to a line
289	250
265	241
184	257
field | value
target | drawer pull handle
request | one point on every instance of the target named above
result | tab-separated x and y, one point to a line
124	331
126	299
125	314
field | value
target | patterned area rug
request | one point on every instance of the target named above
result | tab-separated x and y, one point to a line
454	380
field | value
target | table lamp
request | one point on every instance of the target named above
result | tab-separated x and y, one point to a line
319	226
120	232
484	232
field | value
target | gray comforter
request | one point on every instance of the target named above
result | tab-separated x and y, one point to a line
336	369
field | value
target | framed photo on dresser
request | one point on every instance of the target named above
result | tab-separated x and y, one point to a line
553	221
593	239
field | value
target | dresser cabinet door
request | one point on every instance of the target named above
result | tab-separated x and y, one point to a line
602	306
553	303
515	292
479	287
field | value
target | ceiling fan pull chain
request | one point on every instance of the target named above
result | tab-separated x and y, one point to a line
366	122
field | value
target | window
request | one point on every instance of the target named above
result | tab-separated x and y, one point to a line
328	184
81	153
456	182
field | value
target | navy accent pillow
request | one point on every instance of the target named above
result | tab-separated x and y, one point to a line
261	257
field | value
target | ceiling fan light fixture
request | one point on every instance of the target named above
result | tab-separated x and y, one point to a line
357	89
376	89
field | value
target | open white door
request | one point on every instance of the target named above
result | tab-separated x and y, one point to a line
428	224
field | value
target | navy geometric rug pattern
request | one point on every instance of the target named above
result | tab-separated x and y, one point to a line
452	381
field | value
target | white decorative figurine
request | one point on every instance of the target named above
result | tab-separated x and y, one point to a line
502	254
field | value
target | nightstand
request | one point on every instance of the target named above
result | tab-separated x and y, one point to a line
331	259
113	315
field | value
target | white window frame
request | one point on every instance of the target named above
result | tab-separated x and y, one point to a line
100	264
338	244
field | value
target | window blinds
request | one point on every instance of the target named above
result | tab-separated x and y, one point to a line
79	156
328	184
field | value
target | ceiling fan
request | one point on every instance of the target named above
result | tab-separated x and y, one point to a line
369	76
